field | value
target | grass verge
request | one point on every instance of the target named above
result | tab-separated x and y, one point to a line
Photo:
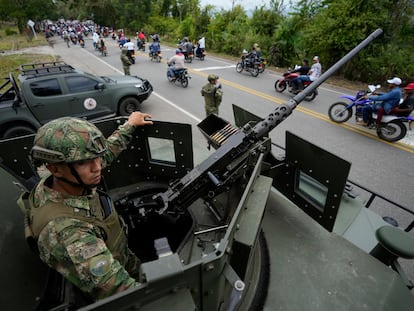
11	62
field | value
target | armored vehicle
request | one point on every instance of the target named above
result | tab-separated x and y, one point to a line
248	228
50	90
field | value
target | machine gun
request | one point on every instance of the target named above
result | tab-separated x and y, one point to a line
223	167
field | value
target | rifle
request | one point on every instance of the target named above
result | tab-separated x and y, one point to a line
228	162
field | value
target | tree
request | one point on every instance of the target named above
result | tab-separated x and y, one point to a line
23	10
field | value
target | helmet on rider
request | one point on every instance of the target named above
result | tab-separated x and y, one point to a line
68	140
409	87
177	51
212	77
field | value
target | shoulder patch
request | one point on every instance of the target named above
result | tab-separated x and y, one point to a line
100	265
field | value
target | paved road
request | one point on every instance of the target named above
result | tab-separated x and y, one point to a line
384	167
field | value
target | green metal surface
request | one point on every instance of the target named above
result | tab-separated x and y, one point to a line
313	269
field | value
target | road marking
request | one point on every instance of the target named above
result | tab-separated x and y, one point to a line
215	68
353	128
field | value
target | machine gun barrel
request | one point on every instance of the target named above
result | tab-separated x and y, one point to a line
281	112
209	172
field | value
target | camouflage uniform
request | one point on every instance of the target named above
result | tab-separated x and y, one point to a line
76	235
126	63
212	96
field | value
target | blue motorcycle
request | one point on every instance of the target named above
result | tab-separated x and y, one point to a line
392	127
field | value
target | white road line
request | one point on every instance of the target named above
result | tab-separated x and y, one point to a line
214	68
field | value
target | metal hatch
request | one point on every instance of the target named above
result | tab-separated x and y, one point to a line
161	151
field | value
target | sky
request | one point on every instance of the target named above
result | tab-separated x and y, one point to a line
226	4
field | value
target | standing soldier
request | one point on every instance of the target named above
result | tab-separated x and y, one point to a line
212	95
126	63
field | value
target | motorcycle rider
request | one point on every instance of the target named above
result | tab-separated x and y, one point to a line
186	46
387	101
257	49
175	63
312	75
130	46
140	39
402	110
302	70
200	47
154	47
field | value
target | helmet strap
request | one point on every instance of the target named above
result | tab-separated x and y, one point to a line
80	184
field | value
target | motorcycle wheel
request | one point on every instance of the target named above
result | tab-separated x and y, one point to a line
184	82
254	71
280	86
262	68
392	131
310	97
239	67
339	113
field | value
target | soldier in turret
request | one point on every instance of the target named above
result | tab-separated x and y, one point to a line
74	226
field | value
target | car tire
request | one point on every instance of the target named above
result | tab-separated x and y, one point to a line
128	105
18	130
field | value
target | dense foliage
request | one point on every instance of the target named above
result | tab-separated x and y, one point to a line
286	32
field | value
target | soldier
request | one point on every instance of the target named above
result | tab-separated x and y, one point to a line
212	95
126	63
74	225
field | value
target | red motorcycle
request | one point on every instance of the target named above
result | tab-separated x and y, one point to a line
283	84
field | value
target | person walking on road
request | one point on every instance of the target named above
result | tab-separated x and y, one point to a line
126	63
213	95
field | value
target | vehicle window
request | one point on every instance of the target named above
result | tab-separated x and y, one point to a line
161	150
49	87
78	84
312	190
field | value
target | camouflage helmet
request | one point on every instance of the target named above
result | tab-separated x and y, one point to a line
68	140
212	77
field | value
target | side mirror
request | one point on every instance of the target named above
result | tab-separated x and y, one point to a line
99	86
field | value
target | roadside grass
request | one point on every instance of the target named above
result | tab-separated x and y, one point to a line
11	43
12	62
11	40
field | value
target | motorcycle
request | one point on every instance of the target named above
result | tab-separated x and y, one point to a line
131	56
283	84
141	45
199	53
82	42
155	56
249	66
262	64
392	127
188	56
180	75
